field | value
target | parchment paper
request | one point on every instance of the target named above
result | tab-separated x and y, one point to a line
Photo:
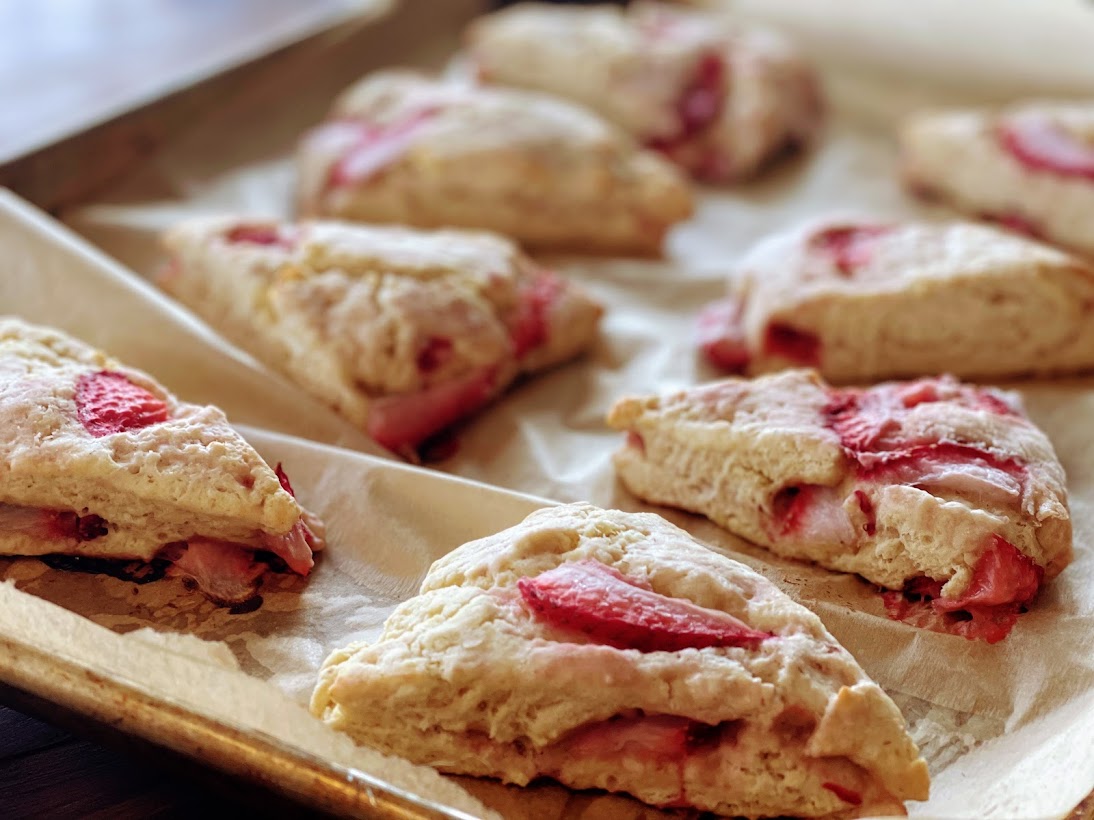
1008	729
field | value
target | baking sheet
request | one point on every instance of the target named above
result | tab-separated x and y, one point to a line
1008	729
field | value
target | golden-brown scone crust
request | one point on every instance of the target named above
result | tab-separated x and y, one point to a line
549	174
465	677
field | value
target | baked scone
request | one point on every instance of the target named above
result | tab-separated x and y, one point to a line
1029	166
100	461
610	650
719	100
938	490
405	148
863	301
405	332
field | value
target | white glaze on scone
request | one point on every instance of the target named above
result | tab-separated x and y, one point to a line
402	331
968	159
468	677
400	147
862	301
903	483
718	99
69	487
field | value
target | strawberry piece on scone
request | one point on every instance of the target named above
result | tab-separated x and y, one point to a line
610	608
609	650
942	492
109	403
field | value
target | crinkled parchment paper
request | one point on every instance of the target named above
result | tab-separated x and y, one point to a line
1008	729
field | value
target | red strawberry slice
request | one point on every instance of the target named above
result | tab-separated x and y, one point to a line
529	324
612	609
1041	144
404	420
1004	581
1015	223
642	736
435	354
797	345
269	235
699	104
848	247
721	336
843	793
374	147
225	572
1002	576
108	403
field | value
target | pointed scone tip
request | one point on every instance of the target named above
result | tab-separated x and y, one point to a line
862	300
1027	166
943	492
610	650
101	461
406	332
721	101
402	147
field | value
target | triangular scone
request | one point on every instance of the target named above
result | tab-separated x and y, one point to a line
404	148
610	650
403	331
99	460
1029	166
719	100
936	489
861	301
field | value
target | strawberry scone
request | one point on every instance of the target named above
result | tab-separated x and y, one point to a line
100	461
1029	166
610	650
861	301
401	147
404	332
942	492
718	100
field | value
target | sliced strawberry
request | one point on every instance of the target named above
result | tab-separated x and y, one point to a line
636	441
1002	576
1016	223
108	403
270	235
225	572
609	608
698	105
1004	581
867	507
721	335
435	354
1041	144
55	524
848	247
404	420
812	513
529	323
647	737
843	793
375	147
797	345
80	527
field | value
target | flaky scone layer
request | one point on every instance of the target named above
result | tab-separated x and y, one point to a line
400	147
467	678
189	474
